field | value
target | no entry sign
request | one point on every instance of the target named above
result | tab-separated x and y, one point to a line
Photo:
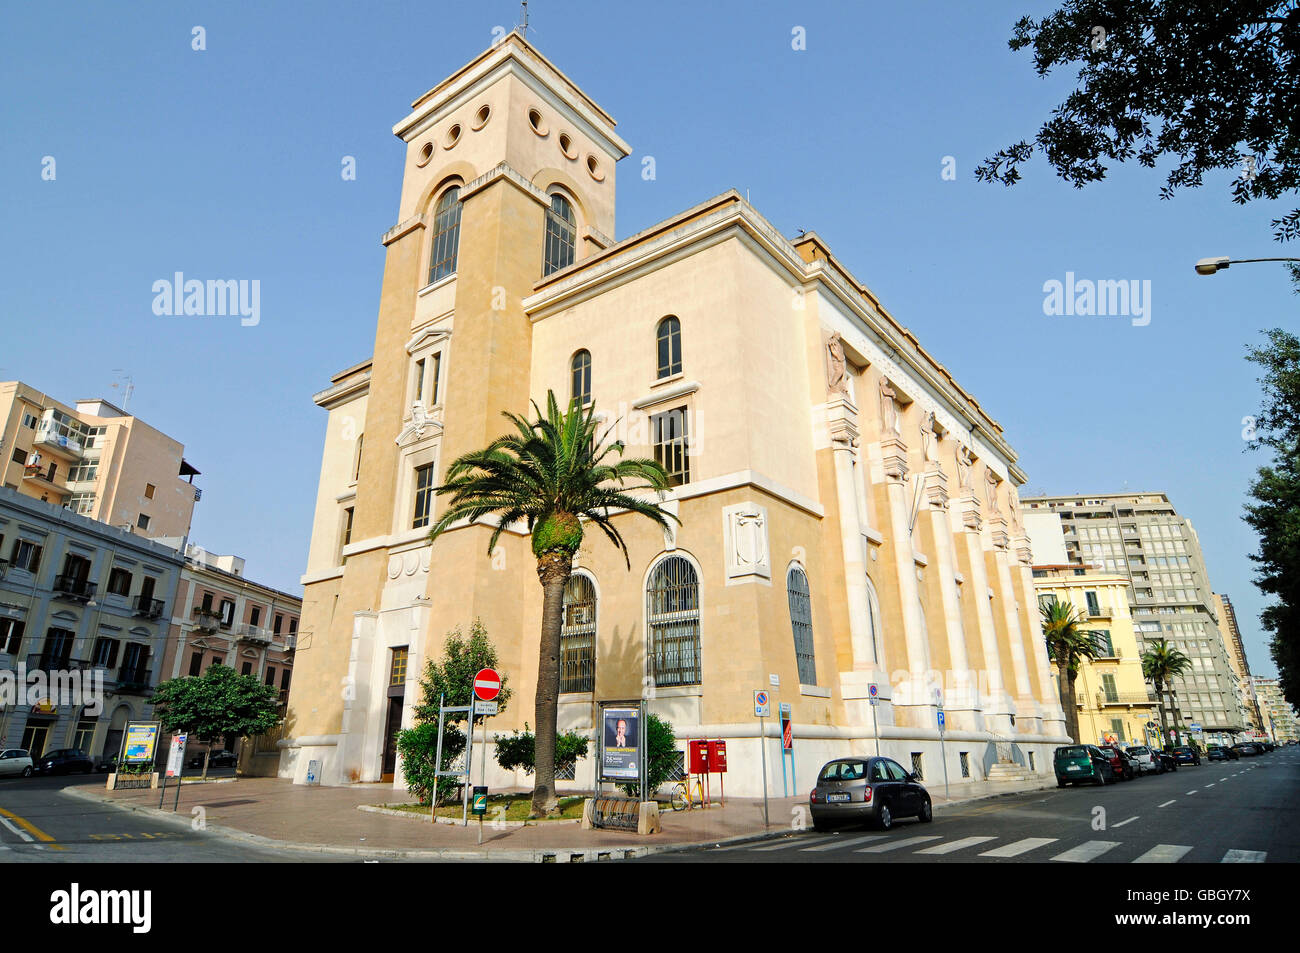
487	684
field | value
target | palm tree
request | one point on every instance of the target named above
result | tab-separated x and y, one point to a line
552	474
1067	646
1162	663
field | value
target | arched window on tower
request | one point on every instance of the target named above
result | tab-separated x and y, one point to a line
673	621
669	341
561	235
446	235
580	368
796	587
578	635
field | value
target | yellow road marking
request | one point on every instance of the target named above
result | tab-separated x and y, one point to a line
29	827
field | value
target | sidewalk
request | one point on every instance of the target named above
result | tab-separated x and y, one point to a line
271	812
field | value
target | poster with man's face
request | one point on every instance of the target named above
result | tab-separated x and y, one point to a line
621	754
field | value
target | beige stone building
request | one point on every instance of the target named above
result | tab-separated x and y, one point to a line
849	513
97	460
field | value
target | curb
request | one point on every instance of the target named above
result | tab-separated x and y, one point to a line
451	821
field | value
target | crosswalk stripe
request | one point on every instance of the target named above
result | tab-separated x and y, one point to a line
1089	850
1244	857
1019	847
1193	791
1167	803
897	844
793	842
839	844
956	845
1163	854
1223	779
1210	785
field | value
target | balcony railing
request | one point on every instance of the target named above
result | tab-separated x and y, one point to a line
74	588
47	662
1123	700
254	633
148	608
1098	613
53	437
206	619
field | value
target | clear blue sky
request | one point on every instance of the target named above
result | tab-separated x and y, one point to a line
225	163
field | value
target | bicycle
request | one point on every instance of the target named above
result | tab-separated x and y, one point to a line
687	795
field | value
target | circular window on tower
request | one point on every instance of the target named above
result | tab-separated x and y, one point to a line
535	120
481	117
594	168
426	153
566	146
453	136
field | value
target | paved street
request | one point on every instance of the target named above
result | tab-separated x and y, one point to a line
38	824
1235	812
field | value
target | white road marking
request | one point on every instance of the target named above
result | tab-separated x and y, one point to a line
1128	821
1244	857
17	830
1089	850
956	845
895	845
1163	854
1210	785
1167	803
838	843
1223	779
793	842
1193	791
1019	847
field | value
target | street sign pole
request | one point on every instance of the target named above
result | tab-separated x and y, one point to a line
943	753
875	728
469	770
762	747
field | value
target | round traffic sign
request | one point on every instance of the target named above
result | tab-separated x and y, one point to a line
487	684
873	689
760	698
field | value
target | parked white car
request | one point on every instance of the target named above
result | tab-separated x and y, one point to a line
1145	760
15	761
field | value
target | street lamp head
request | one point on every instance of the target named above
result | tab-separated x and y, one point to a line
1208	266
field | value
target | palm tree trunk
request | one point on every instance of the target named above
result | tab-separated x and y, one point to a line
1067	700
1160	704
553	569
1074	706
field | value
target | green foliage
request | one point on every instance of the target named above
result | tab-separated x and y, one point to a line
1065	640
451	676
1211	85
1274	510
219	702
661	756
549	473
519	749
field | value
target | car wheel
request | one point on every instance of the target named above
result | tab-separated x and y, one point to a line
927	812
1101	778
27	771
1060	783
885	820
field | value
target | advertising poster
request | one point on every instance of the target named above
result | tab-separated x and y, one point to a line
622	757
141	738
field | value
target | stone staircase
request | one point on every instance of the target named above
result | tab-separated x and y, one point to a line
1010	772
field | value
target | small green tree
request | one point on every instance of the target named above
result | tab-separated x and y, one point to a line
217	703
449	679
660	757
519	749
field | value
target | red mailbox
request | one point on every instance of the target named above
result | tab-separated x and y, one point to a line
718	756
699	756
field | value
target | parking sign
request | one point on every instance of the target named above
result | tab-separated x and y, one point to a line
762	705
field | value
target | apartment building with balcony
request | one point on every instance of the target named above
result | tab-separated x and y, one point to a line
224	618
1142	538
79	597
97	460
1281	723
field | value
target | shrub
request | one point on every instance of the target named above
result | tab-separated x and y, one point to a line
661	756
519	749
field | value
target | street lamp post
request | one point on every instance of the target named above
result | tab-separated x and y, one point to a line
1210	266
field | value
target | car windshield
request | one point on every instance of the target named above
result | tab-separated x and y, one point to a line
1076	752
844	771
1138	750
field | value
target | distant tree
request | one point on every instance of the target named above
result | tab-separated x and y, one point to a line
1208	84
1161	664
1067	647
449	680
217	703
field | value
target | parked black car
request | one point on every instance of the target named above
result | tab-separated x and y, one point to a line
1245	749
63	761
219	759
1170	762
867	790
1186	754
1216	753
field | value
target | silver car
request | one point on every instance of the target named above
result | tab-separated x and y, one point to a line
1145	760
15	762
867	790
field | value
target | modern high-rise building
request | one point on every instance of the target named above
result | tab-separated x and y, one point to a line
1237	660
1141	537
96	460
1280	721
849	513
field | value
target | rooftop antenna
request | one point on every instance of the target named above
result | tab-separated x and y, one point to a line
127	384
523	27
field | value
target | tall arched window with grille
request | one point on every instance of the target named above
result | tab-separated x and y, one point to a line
446	235
580	368
578	635
668	339
796	589
673	622
561	235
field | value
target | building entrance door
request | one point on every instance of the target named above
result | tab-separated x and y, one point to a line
392	725
36	735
